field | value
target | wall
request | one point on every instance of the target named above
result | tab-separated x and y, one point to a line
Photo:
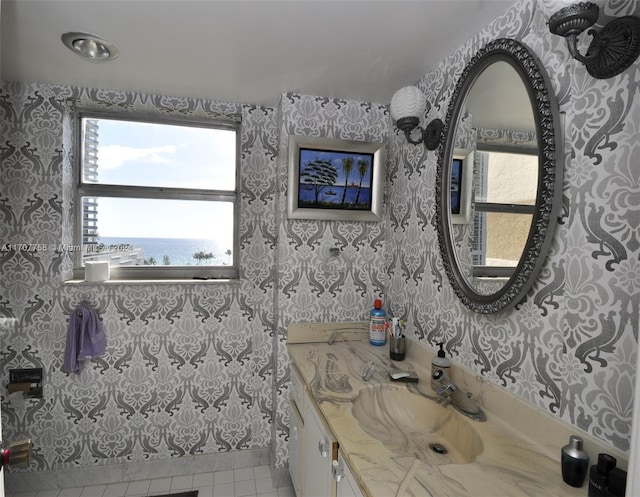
570	347
188	367
310	289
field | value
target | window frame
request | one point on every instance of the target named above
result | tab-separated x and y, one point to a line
160	272
502	272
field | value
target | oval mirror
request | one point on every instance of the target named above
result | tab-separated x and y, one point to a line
499	177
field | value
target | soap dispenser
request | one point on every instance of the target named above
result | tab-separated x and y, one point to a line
440	361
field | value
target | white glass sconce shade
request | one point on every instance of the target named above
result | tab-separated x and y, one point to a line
407	107
408	102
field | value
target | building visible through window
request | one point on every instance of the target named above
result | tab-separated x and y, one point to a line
90	168
505	189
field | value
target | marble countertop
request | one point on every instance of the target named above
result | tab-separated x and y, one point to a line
507	464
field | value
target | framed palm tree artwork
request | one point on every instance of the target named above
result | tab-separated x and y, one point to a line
336	180
461	185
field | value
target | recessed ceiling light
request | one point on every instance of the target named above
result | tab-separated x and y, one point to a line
90	46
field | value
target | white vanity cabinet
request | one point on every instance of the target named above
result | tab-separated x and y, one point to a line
296	448
346	485
320	449
296	432
316	466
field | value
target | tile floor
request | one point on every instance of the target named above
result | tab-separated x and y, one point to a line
244	482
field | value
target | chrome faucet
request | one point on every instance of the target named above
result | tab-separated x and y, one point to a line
442	384
448	392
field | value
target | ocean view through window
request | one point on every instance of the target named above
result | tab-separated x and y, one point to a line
176	251
157	199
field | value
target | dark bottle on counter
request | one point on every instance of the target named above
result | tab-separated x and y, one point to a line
617	483
599	476
575	462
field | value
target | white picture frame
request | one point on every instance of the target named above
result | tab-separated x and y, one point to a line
461	185
321	187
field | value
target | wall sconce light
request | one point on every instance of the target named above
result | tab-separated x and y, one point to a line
407	107
613	48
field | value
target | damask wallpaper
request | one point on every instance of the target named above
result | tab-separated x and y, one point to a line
203	368
312	288
188	367
570	346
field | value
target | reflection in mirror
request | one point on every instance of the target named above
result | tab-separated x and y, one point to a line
497	115
494	207
504	199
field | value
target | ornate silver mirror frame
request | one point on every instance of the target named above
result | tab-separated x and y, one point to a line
549	185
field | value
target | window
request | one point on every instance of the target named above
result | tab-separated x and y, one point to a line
505	196
157	199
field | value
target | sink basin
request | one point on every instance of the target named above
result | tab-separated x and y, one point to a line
409	424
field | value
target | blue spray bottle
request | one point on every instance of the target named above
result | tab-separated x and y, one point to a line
377	324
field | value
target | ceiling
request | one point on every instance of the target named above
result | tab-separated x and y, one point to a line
245	51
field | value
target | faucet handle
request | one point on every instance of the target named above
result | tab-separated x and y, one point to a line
441	382
440	377
437	375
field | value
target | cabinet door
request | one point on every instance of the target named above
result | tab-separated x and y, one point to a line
297	391
296	448
318	447
347	485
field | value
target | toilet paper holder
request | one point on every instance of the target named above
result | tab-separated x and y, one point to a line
28	381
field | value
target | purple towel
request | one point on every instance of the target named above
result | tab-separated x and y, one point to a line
85	339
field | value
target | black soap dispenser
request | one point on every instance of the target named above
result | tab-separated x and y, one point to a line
575	462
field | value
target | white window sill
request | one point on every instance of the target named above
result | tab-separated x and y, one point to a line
153	282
